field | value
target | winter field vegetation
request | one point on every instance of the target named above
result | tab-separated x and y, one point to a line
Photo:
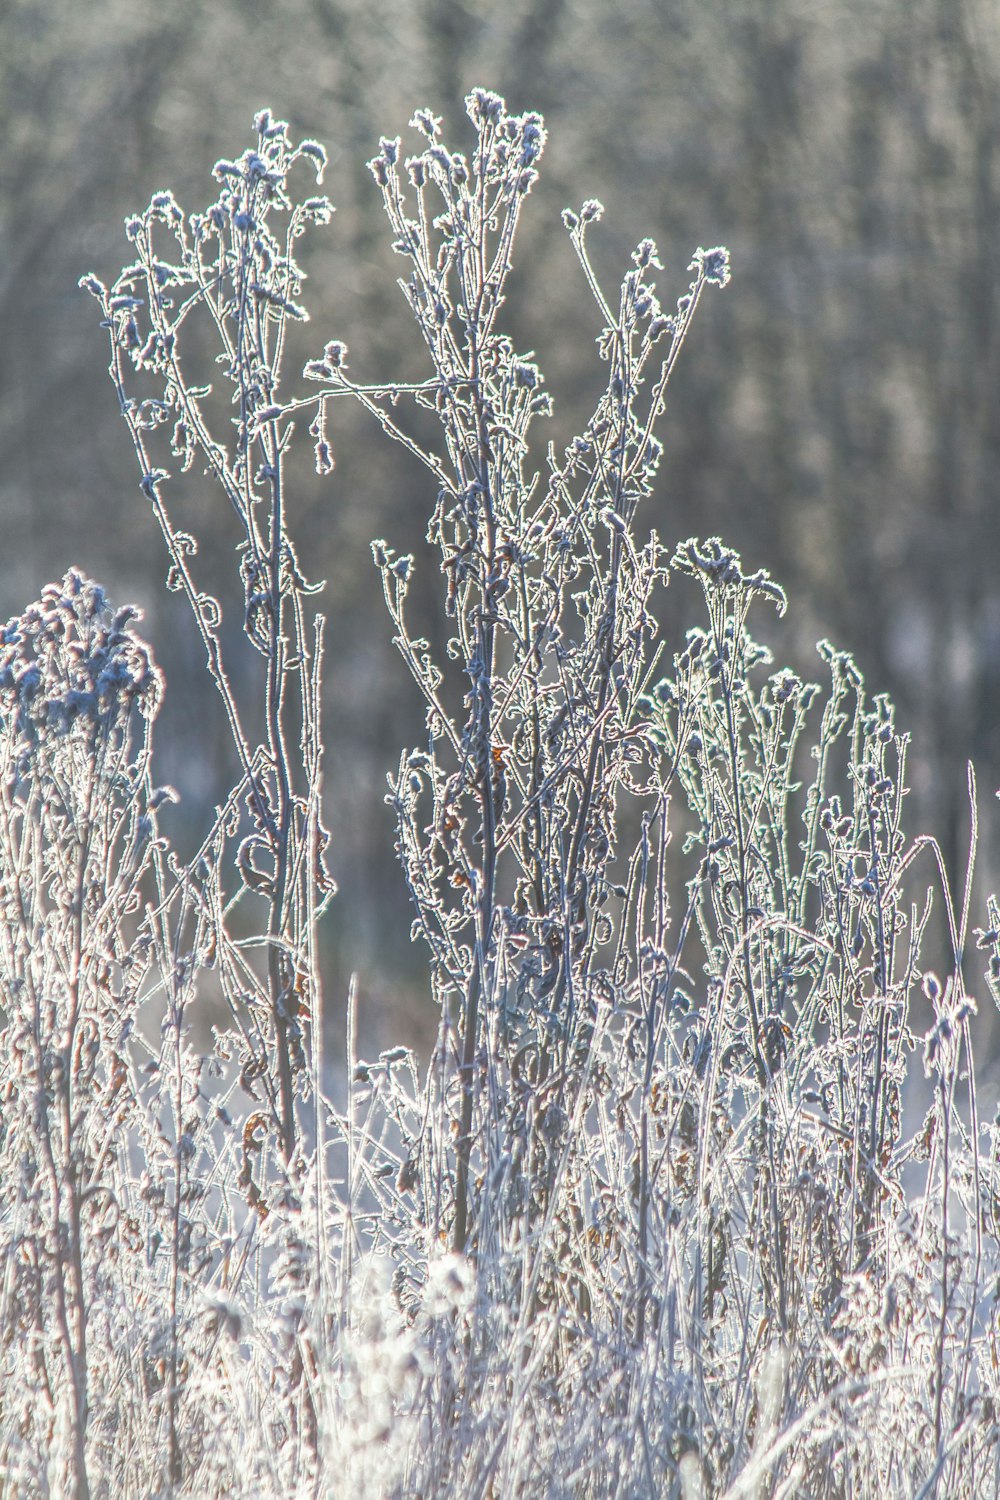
694	1196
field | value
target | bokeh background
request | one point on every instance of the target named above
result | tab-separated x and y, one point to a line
836	413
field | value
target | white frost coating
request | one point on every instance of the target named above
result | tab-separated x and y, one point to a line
692	1482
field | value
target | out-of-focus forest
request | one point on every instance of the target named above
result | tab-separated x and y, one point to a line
836	415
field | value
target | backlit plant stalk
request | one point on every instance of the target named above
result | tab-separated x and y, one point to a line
233	270
520	797
77	833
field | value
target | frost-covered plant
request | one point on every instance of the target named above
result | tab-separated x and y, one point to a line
77	832
174	1182
665	1113
229	274
653	1219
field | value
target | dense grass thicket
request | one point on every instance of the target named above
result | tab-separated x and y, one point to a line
694	1196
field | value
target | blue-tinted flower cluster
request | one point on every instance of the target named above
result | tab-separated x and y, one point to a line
70	658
